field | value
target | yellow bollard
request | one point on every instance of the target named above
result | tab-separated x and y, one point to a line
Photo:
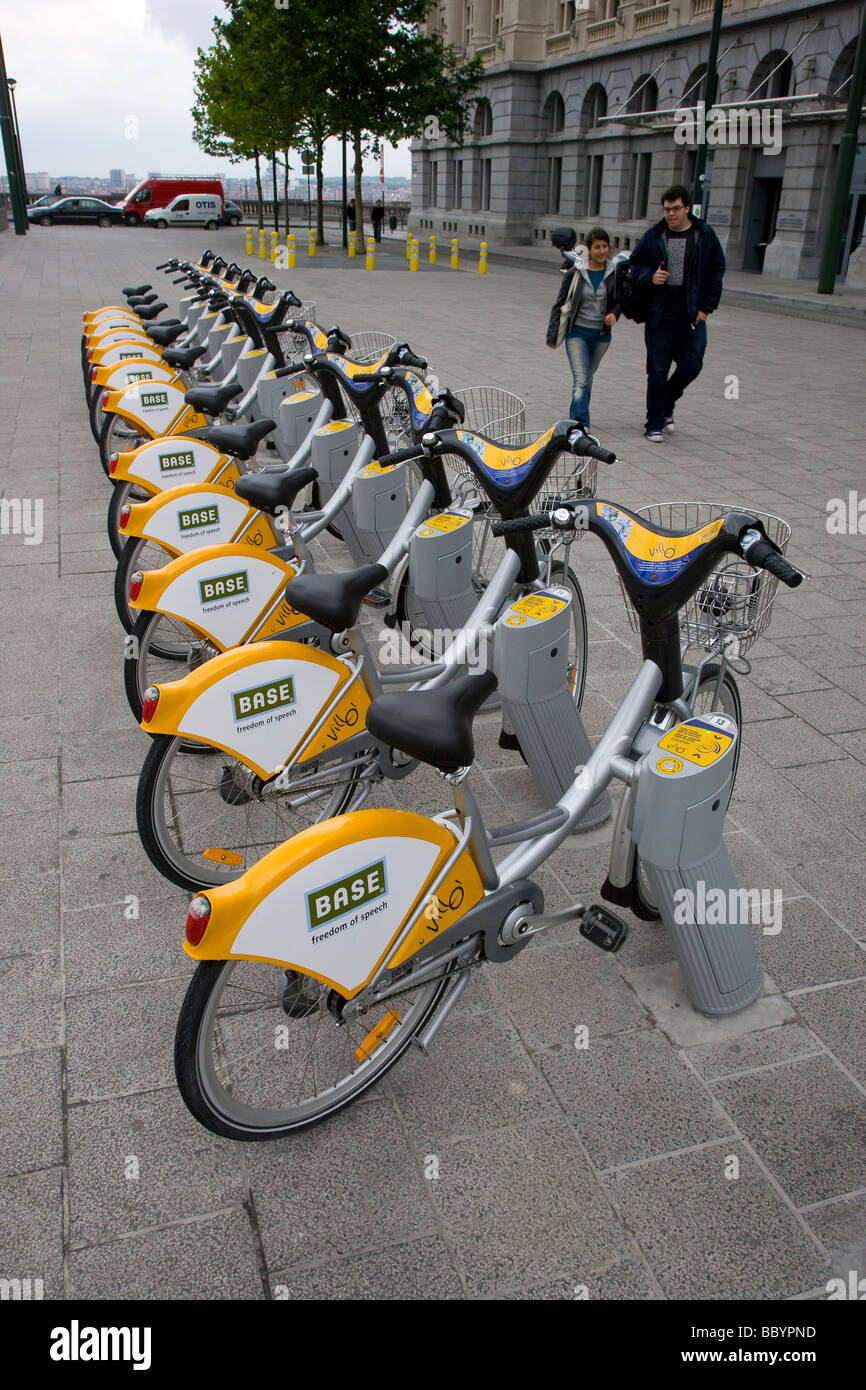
455	264
249	241
371	253
413	260
273	246
291	251
263	255
312	246
353	249
482	259
410	242
432	250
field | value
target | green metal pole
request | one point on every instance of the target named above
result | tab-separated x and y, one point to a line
844	166
711	85
17	192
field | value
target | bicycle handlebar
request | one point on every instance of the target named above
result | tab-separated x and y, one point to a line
764	555
585	447
402	456
542	521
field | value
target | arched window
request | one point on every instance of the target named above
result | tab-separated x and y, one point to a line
695	89
644	95
482	123
773	77
553	114
839	86
594	107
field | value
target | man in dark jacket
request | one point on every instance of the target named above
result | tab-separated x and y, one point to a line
682	259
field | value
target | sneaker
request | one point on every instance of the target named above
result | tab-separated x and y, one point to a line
654	436
669	425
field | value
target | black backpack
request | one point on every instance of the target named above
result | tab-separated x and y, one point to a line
634	299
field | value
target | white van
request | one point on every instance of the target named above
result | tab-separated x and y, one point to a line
189	210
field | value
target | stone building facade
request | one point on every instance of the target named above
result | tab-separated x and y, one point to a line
576	123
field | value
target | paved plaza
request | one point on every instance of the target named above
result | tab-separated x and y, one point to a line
674	1157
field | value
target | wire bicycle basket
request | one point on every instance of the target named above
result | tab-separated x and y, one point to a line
733	606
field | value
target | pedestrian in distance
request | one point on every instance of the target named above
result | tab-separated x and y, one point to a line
585	312
680	262
58	192
377	217
350	214
392	222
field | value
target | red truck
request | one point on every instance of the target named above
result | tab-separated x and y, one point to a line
157	193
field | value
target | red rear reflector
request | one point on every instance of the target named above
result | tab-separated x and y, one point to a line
135	584
112	462
125	514
93	371
149	703
90	352
197	919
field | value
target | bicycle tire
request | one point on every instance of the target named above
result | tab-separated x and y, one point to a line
712	683
142	646
203	788
155	556
218	1105
117	436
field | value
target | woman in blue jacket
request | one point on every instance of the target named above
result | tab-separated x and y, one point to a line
594	311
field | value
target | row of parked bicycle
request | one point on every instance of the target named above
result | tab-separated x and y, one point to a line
236	434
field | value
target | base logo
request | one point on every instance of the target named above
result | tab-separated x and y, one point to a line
191	519
170	463
262	698
151	399
335	900
227	586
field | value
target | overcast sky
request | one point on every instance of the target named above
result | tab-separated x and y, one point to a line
107	84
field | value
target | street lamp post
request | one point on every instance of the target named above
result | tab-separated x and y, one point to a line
12	152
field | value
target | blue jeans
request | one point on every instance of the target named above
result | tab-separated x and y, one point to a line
584	357
667	341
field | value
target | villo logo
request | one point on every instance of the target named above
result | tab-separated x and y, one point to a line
228	586
170	463
263	697
200	516
153	398
337	899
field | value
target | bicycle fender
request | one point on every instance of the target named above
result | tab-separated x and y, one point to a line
224	591
260	702
115	336
127	350
166	463
121	374
332	901
185	518
121	312
155	410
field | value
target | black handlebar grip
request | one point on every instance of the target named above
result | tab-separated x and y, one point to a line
764	555
584	448
410	359
401	456
364	379
520	524
164	266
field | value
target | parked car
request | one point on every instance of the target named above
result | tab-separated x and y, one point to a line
76	210
203	210
152	193
232	216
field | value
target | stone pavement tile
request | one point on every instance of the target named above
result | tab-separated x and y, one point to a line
100	807
418	1269
29	736
728	1055
544	1218
31	784
213	1258
801	830
835	653
805	1120
144	1017
758	707
852	678
779	675
841	1226
31	1009
87	562
29	843
838	885
105	869
810	949
838	1016
545	1014
476	1078
28	688
31	1228
339	1187
835	712
29	914
792	743
848	628
734	1237
183	1171
86	756
630	1097
626	1280
30	1084
14	553
102	947
839	786
754	865
853	743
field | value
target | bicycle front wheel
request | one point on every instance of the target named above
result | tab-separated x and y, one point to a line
161	648
260	1052
137	554
204	818
116	437
717	693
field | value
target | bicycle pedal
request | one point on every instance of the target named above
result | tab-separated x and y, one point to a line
603	928
509	741
378	598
